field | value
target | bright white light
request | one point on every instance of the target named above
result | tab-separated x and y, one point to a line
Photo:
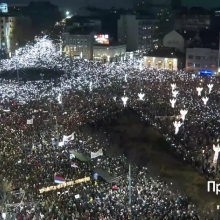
141	96
183	113
44	53
175	93
199	90
173	101
126	78
205	100
177	125
90	86
4	215
124	100
216	148
67	13
59	98
173	86
210	86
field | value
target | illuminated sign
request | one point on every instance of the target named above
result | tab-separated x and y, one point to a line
102	39
63	185
206	73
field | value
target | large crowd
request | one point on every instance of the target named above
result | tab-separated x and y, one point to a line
35	115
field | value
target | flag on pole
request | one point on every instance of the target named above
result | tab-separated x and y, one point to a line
74	164
68	138
58	179
30	121
96	154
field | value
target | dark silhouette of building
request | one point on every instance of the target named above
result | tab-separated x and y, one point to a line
43	14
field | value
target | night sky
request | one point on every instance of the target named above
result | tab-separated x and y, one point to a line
68	4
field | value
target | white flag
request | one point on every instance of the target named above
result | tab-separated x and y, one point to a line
30	121
97	154
68	138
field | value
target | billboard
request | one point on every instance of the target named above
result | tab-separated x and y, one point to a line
101	39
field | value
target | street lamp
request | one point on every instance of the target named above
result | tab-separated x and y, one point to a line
67	13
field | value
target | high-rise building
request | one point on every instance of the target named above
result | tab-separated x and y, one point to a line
14	31
154	6
136	32
78	43
4	8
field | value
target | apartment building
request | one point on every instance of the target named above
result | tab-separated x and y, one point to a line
137	32
78	43
198	59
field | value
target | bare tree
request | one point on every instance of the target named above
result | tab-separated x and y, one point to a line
5	189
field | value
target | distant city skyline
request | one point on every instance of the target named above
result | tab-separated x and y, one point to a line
74	4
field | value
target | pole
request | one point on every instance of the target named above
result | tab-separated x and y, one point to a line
129	184
50	113
218	52
17	71
57	133
217	217
51	101
62	101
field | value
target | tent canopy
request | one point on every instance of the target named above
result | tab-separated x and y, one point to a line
79	156
106	175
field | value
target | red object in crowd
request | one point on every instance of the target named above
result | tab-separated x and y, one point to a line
114	187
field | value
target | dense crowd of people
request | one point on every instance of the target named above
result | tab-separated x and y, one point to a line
36	114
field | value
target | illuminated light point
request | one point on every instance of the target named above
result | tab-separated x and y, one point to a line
172	101
177	125
199	90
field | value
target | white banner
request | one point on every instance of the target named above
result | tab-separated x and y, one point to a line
30	121
68	138
97	154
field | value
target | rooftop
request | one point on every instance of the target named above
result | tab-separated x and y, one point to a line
81	31
201	39
165	52
80	19
111	44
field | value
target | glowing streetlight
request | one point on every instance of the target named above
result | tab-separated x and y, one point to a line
67	13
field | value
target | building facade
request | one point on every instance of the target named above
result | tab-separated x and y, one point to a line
154	7
4	8
15	31
174	40
78	45
198	59
136	32
215	19
109	53
190	22
94	24
161	62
